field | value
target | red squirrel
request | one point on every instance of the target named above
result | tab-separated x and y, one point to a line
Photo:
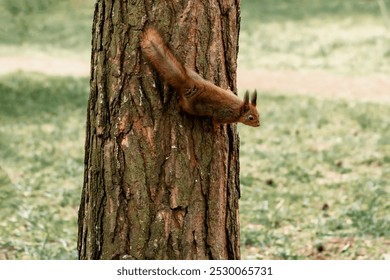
197	96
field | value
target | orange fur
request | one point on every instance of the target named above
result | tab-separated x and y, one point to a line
197	96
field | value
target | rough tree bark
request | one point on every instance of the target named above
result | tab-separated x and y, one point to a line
159	184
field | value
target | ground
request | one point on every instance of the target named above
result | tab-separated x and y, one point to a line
315	177
315	83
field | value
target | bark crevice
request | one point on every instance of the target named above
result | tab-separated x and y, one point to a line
159	184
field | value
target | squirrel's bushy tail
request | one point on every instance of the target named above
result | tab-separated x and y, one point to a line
161	57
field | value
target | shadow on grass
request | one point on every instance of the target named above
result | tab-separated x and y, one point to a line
33	97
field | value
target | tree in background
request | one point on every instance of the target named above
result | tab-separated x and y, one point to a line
158	183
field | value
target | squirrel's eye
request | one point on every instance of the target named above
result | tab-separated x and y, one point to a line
251	118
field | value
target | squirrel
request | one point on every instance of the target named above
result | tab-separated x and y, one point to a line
197	96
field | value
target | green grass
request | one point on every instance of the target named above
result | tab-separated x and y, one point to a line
41	165
346	36
315	177
316	173
45	25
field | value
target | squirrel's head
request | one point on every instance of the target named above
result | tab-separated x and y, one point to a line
250	115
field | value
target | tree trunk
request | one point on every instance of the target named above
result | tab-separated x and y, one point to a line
158	183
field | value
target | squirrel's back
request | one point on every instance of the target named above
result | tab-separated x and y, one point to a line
197	96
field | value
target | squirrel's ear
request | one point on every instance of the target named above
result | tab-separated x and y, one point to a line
246	97
254	98
245	107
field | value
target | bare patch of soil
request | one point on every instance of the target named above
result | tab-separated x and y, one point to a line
375	88
43	64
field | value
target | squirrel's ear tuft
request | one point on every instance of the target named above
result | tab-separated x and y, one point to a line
245	106
254	98
246	97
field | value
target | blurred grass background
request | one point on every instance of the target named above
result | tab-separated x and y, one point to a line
46	25
315	177
350	36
